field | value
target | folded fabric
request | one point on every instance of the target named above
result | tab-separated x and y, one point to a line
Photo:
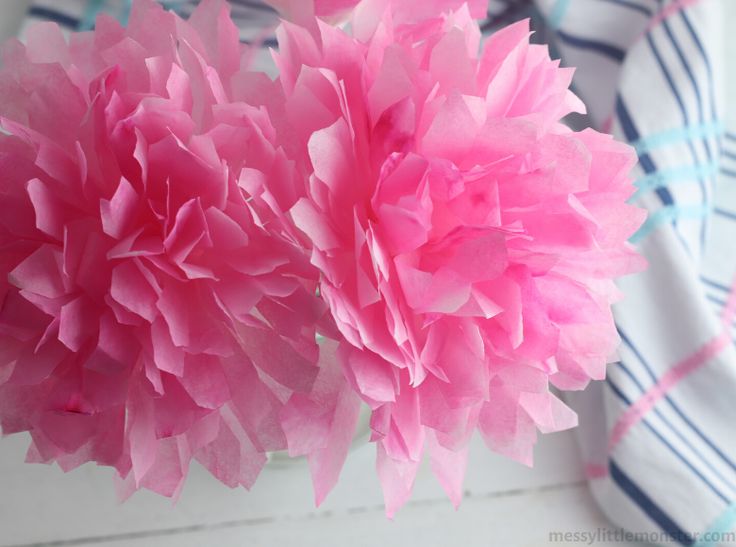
658	436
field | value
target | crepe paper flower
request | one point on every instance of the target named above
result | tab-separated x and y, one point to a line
467	240
153	308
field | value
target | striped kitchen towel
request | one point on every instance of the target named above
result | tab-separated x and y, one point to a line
659	435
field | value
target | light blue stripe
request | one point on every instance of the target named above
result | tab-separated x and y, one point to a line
126	12
666	215
715	533
558	13
680	134
672	82
90	14
665	177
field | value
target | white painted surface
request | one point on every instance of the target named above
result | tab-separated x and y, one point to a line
506	504
11	15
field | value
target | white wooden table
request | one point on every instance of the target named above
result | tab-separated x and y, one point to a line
505	504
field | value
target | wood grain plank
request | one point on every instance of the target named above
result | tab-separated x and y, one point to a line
521	519
82	503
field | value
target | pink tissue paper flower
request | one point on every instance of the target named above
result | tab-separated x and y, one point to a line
154	309
176	230
466	239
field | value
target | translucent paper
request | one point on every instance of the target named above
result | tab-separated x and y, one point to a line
176	230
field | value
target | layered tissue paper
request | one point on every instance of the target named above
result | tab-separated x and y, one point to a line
178	233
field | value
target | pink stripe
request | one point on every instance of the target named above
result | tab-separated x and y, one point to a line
668	11
644	404
729	309
607	125
595	471
707	351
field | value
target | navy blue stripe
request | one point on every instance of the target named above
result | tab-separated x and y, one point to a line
268	42
511	11
686	441
715	284
706	188
673	404
722	212
631	5
693	81
645	160
728	172
182	9
613	52
51	15
672	449
638	496
706	60
686	120
253	4
72	23
729	155
240	10
670	81
716	300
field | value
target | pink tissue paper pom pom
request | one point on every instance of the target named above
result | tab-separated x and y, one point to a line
467	240
176	230
154	308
